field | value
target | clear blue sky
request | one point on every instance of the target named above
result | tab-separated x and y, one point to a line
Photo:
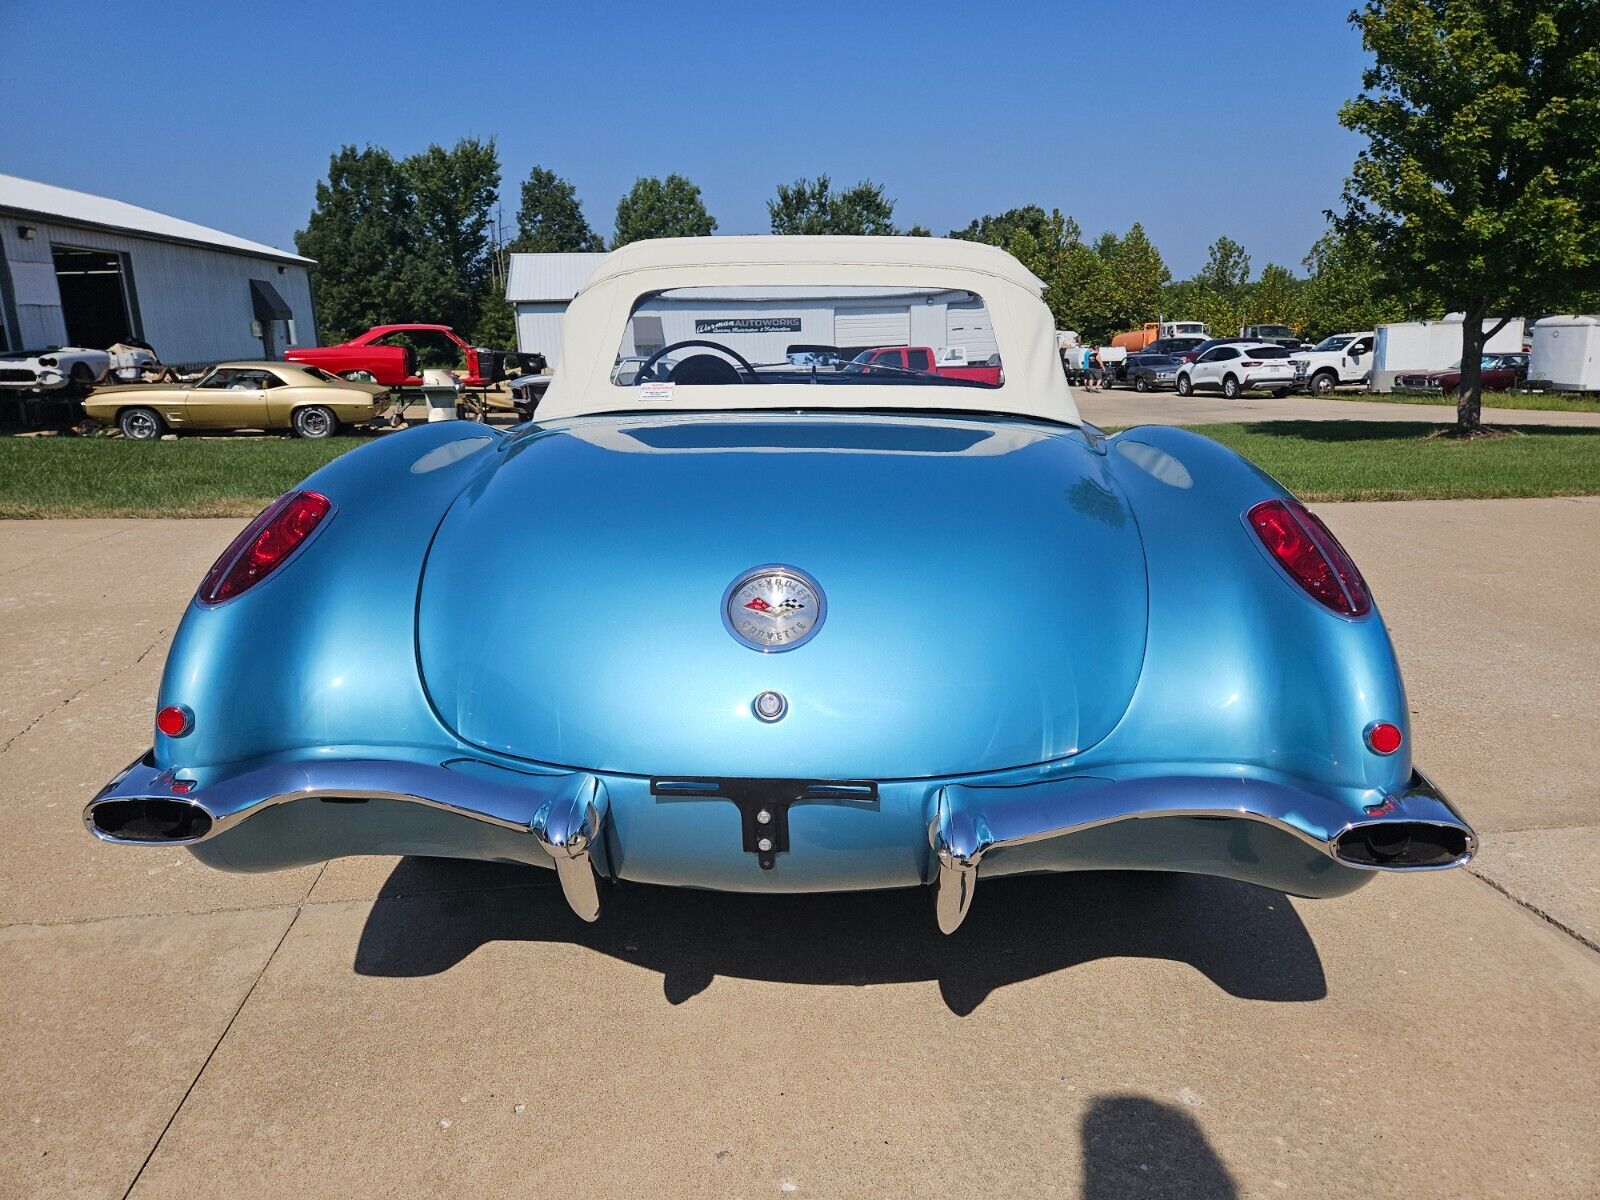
1197	118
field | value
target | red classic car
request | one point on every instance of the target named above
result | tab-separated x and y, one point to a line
387	354
1501	373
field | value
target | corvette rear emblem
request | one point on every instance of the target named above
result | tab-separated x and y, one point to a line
773	608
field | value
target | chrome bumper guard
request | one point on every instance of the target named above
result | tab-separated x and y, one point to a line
565	813
1416	829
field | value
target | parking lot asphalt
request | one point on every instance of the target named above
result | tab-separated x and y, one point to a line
399	1028
1123	406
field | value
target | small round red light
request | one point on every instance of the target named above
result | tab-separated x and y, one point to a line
174	720
1384	738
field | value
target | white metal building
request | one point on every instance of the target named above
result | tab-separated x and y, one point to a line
84	270
539	287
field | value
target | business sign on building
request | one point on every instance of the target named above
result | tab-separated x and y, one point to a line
748	325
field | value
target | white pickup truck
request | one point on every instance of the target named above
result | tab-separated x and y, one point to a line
1340	359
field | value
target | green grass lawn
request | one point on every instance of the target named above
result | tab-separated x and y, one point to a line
1382	460
193	477
1318	460
1526	401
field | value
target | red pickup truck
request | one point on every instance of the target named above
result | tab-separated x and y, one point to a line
923	360
385	354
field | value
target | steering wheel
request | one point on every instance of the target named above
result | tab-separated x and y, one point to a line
647	369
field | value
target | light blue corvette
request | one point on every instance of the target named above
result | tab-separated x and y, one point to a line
750	625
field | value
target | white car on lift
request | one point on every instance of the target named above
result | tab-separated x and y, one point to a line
1235	368
1340	359
52	368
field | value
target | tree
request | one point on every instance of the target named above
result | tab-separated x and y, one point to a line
1140	276
550	220
454	193
1050	245
1227	267
659	208
813	207
1344	290
1480	182
1274	298
360	232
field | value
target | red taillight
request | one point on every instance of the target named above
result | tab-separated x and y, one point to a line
1384	738
1306	549
174	720
264	545
1248	363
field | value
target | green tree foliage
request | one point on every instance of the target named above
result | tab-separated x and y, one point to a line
404	240
453	193
1480	182
361	233
1343	291
1274	298
813	207
550	220
661	208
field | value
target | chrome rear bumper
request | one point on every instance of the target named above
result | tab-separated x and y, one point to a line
565	818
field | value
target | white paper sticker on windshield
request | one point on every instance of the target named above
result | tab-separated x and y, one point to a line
655	391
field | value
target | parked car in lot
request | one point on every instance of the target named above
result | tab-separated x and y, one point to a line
240	395
921	359
1236	369
1342	358
789	633
54	368
1156	365
387	354
1500	373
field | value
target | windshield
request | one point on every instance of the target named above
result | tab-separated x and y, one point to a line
1266	352
1336	342
883	336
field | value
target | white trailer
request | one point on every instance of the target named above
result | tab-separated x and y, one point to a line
1422	347
1566	354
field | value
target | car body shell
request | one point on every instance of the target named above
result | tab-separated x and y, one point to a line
1036	648
241	395
53	369
394	365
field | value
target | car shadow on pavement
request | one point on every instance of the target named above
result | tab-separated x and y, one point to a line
1135	1146
432	913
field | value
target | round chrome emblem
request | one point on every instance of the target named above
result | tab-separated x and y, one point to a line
774	608
769	706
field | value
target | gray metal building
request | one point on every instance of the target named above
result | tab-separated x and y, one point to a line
85	270
540	286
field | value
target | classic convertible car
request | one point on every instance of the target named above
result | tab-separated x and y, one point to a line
240	395
791	631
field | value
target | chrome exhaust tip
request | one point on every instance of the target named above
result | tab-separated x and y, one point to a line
148	820
1405	845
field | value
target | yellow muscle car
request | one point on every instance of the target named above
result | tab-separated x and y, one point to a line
240	395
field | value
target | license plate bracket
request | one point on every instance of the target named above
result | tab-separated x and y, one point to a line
764	804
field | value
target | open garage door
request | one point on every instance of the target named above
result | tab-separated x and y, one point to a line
96	296
863	327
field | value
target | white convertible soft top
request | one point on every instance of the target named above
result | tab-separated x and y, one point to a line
1024	329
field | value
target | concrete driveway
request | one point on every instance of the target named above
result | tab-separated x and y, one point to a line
1122	406
403	1028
